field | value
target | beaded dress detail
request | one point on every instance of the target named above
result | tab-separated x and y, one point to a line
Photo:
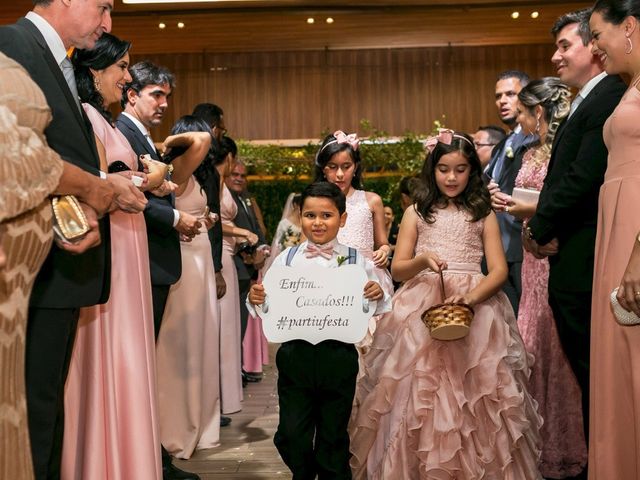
430	409
358	233
552	382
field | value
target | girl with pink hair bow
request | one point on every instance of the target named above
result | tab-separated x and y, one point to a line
338	161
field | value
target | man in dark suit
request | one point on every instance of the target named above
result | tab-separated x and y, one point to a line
564	225
503	168
145	100
246	265
66	282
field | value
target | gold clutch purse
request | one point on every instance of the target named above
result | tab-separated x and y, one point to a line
69	221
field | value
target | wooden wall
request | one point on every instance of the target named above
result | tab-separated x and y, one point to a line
285	95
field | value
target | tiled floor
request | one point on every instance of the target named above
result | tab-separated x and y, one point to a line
246	448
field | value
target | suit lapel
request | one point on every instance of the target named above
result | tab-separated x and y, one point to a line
59	77
137	134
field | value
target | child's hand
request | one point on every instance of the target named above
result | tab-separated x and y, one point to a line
256	294
433	261
380	257
373	291
468	299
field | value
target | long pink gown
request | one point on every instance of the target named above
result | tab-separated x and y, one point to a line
111	420
552	382
230	361
615	349
188	345
430	409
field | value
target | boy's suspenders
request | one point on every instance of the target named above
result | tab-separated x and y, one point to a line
351	259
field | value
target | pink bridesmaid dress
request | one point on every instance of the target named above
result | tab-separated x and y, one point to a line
552	382
111	419
614	438
188	345
230	356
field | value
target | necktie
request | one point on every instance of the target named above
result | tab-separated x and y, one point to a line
150	141
497	170
325	251
574	105
67	70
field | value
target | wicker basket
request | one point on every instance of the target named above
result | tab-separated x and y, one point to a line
448	321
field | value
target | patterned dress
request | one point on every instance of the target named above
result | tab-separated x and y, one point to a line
552	382
446	410
358	233
30	171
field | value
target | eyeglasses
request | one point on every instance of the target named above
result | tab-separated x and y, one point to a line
478	144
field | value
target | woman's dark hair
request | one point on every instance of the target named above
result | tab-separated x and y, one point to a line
189	123
328	149
326	190
474	198
107	51
221	149
296	200
615	11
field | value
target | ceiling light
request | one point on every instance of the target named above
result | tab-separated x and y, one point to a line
180	25
535	14
329	20
162	25
515	15
310	20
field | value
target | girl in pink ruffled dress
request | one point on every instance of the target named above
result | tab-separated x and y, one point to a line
432	409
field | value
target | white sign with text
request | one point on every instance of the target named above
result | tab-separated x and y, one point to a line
315	303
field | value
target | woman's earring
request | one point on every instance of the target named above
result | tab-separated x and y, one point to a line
537	125
96	84
629	47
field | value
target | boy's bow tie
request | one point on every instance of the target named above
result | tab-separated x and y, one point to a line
312	250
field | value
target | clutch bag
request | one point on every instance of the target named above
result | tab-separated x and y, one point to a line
527	195
69	221
623	317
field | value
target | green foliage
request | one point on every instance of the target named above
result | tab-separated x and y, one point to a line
277	171
271	195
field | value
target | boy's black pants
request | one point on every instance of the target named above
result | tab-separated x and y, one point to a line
316	385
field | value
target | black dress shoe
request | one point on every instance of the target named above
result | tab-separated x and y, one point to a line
252	377
224	421
171	472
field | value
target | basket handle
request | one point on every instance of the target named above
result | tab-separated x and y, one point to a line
442	285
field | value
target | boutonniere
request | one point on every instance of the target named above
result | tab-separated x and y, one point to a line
247	202
509	152
341	259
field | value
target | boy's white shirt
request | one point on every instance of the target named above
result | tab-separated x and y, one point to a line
339	250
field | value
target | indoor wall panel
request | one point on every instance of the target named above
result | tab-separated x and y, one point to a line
291	95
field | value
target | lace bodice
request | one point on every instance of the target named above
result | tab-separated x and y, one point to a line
452	237
533	171
358	231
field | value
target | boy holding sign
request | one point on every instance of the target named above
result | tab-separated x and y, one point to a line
316	383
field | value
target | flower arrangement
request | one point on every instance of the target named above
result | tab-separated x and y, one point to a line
289	238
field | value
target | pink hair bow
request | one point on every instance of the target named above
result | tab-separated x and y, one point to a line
445	135
351	139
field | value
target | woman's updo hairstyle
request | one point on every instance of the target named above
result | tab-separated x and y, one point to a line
555	99
615	11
